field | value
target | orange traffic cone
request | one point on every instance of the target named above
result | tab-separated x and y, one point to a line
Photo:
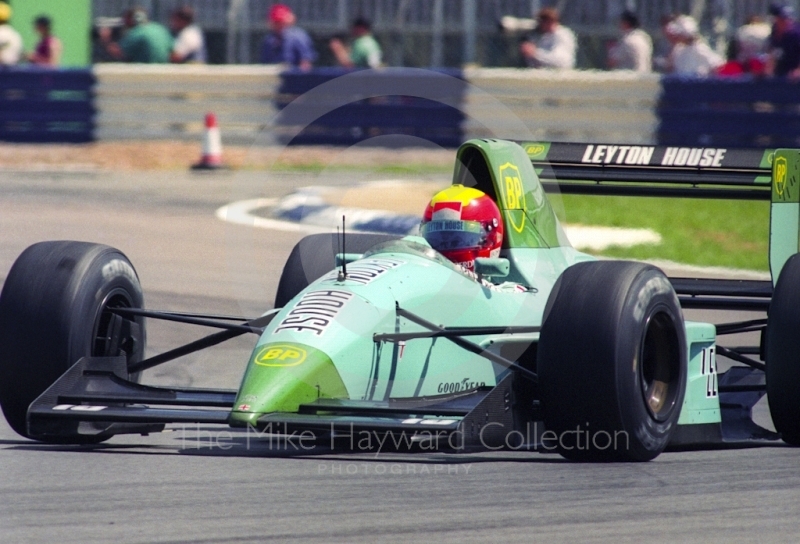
212	146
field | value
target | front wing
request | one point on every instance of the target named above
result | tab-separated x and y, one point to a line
95	399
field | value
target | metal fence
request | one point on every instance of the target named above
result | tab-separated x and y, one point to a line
437	32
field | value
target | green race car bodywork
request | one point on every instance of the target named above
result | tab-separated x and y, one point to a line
396	338
321	344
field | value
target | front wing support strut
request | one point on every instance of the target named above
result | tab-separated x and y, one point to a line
205	342
467	345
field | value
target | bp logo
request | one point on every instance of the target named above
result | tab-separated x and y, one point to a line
514	193
535	150
280	355
781	169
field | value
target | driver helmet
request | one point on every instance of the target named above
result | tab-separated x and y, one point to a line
463	224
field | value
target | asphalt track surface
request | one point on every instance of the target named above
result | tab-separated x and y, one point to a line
198	485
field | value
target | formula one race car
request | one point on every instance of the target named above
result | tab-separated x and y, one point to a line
378	341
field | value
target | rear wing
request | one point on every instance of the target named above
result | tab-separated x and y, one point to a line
635	170
684	172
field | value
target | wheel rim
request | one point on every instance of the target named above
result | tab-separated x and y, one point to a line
113	334
659	371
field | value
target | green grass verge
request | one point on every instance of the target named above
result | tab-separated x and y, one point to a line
726	233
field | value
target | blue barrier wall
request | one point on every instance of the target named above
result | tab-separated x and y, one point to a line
371	103
729	112
39	105
46	105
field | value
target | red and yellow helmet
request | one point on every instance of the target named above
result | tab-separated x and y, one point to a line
463	224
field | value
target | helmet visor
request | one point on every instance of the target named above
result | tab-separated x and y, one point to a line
452	235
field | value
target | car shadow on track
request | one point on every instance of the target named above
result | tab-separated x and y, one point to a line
243	446
213	442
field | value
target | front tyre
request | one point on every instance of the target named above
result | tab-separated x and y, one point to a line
783	353
55	308
612	362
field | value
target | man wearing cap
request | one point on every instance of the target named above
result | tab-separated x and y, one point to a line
285	42
784	60
691	56
634	50
144	41
555	47
10	40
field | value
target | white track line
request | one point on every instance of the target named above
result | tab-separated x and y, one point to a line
240	213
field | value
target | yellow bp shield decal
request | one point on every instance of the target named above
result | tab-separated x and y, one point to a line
514	193
781	169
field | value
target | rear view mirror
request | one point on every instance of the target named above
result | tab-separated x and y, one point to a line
492	267
347	258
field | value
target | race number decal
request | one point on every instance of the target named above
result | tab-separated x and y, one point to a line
78	408
708	368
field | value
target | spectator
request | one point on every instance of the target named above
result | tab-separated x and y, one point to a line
48	50
189	45
285	42
691	55
664	45
10	40
752	39
784	59
555	47
143	42
634	50
749	49
364	52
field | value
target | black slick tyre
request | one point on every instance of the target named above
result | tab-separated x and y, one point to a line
314	256
612	362
783	353
54	309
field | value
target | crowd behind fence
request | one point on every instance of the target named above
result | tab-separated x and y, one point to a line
139	101
426	33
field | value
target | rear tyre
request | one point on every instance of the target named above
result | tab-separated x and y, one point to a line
314	256
783	353
55	309
612	362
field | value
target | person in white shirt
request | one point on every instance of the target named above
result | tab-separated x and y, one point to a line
189	45
10	40
691	56
634	50
752	39
555	47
